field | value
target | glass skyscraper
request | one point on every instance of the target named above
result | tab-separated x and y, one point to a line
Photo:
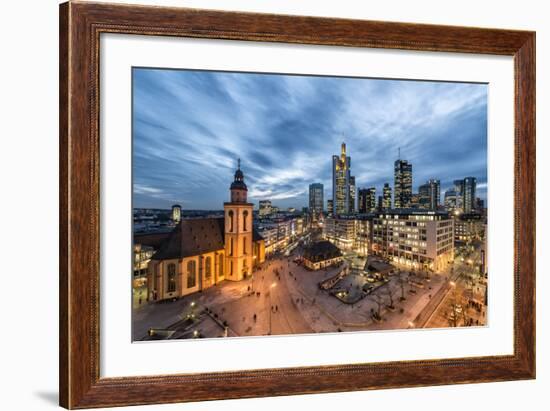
343	192
316	199
402	184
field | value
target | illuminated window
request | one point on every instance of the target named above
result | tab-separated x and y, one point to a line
191	274
208	267
220	268
171	286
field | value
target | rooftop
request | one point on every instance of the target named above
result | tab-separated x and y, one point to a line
321	250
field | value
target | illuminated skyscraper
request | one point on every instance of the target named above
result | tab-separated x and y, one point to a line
330	207
362	200
469	196
265	208
402	184
343	193
352	194
450	200
459	194
429	194
367	200
316	200
176	213
386	199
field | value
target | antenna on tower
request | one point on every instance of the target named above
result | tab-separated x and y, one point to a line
399	153
239	164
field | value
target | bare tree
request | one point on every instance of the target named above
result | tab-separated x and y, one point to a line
401	281
390	292
379	302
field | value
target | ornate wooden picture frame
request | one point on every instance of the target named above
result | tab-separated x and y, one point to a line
81	24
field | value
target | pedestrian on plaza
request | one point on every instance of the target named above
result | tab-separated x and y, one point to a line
254	317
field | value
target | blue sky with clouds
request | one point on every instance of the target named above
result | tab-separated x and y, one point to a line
189	128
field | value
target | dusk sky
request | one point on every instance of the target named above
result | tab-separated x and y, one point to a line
190	127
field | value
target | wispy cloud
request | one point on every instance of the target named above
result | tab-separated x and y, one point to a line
191	126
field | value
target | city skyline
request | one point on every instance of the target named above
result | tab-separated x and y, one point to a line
286	134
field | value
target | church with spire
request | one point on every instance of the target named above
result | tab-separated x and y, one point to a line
202	252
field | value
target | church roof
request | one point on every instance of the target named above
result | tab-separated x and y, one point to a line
192	237
321	250
195	236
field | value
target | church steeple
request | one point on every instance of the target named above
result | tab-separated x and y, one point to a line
238	230
238	187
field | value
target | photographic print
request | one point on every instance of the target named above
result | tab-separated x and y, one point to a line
277	204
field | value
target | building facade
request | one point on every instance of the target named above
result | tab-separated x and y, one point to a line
280	232
418	239
349	232
316	200
264	208
330	207
367	200
386	197
402	184
352	195
429	195
451	201
459	192
469	196
470	227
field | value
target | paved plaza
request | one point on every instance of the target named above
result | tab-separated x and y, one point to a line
283	297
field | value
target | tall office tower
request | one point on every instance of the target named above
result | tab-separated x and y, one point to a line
362	200
480	204
341	182
265	208
450	200
386	200
459	192
352	194
316	200
469	194
371	199
367	200
330	207
429	194
415	201
402	184
176	213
